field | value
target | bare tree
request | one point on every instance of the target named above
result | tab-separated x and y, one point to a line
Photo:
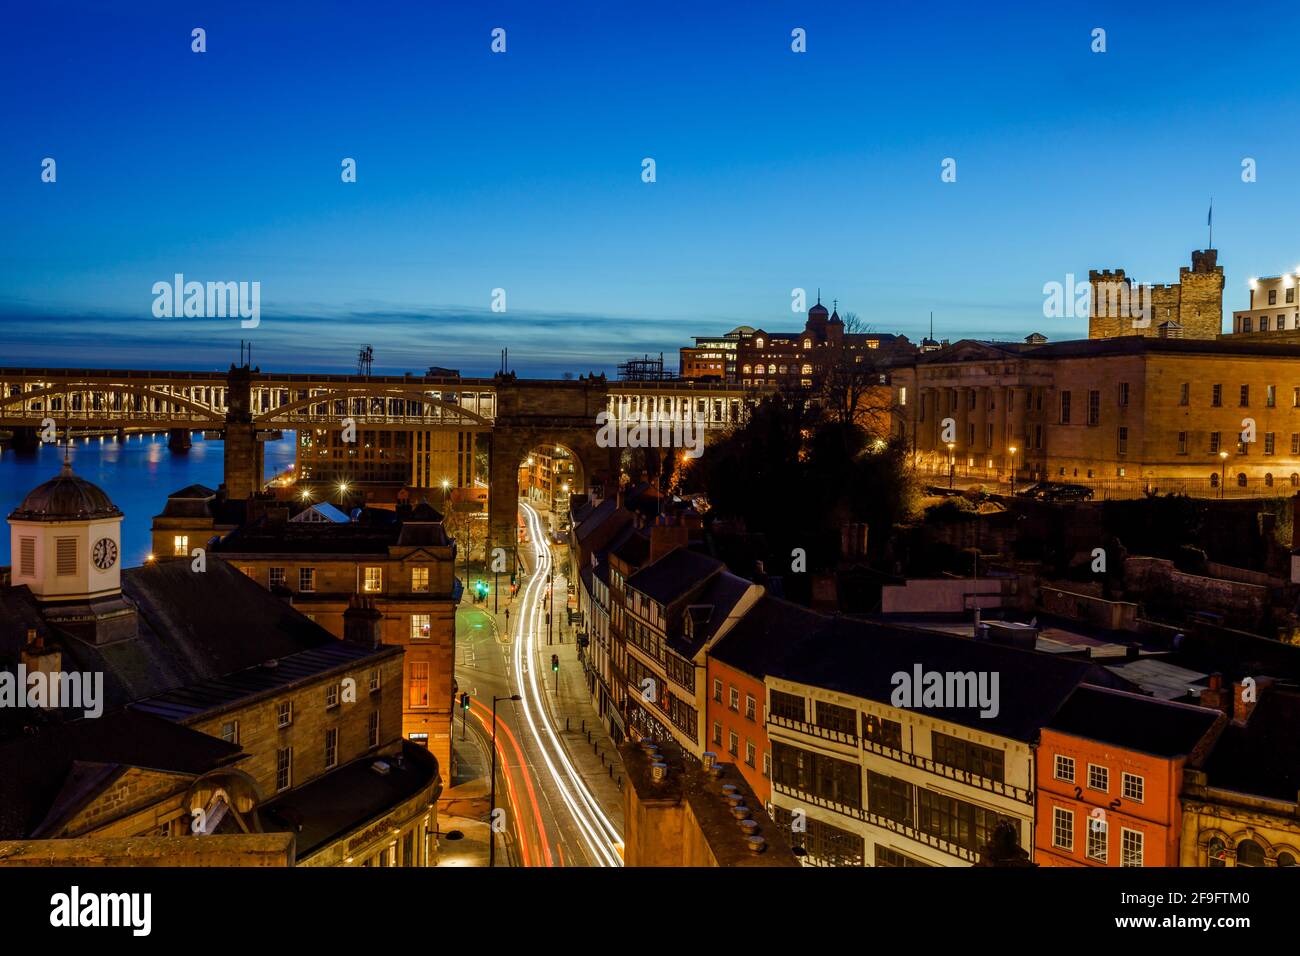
854	386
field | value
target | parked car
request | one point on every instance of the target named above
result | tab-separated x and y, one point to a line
1056	491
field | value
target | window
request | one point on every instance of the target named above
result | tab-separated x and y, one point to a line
419	580
1121	441
284	713
733	744
420	627
306	579
955	821
818	775
374	680
885	856
276	577
418	684
1214	479
887	733
1064	768
827	845
751	706
373	580
717	734
1065	408
331	696
331	748
180	545
750	753
1098	778
1263	323
1184	395
1130	848
967	755
1123	394
1182	443
27	557
889	797
1133	786
1245	396
1295	397
65	556
717	690
767	765
1268	443
283	768
1094	407
1216	852
230	731
733	700
1214	443
1062	828
1272	296
1216	395
786	705
372	730
837	718
1295	443
1097	839
1290	294
1241	479
1270	396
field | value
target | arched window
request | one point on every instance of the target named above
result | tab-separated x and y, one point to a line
1216	852
1214	481
807	343
760	369
1268	480
758	342
1295	479
749	369
782	369
807	370
1250	853
1241	479
1285	859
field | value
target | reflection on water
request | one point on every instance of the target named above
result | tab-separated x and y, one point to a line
138	475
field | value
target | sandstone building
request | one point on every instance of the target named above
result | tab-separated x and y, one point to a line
1190	308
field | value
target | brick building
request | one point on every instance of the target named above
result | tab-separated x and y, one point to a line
1110	775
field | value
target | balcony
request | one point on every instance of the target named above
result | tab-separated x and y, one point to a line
812	730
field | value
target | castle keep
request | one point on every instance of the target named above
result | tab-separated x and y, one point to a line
1191	308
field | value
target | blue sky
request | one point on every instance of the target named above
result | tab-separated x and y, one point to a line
522	170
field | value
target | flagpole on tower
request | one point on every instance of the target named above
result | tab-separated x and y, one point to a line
1209	221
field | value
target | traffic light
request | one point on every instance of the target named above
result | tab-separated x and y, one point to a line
555	663
464	701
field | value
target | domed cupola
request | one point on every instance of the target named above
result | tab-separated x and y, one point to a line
65	540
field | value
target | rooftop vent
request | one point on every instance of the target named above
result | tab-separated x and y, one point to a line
756	844
381	767
658	771
710	758
272	663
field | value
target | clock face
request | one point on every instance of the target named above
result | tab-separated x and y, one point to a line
104	554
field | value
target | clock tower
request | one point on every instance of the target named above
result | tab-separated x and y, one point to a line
66	541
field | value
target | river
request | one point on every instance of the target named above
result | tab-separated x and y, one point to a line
138	475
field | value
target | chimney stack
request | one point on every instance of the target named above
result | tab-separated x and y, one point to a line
666	534
362	623
1215	697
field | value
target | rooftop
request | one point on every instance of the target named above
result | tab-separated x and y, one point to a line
1133	721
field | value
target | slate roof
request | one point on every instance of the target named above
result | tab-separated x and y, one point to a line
1262	757
860	658
1133	721
674	575
768	633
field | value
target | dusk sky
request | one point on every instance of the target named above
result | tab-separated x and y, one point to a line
522	171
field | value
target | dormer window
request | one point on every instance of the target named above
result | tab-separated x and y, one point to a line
807	343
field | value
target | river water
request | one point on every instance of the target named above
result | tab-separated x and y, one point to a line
138	475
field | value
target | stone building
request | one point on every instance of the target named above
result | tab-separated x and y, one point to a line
1149	412
1190	308
202	706
402	563
1273	311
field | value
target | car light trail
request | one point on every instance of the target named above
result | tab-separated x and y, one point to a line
601	836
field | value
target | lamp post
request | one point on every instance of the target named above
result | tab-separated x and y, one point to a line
1223	471
492	793
1012	449
952	465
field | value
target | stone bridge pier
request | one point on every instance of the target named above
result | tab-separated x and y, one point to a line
538	413
244	453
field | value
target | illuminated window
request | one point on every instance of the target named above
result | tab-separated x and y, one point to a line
418	685
181	544
420	579
374	579
420	627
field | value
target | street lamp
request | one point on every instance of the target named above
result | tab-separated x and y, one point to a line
1012	449
1223	471
492	793
343	490
952	465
